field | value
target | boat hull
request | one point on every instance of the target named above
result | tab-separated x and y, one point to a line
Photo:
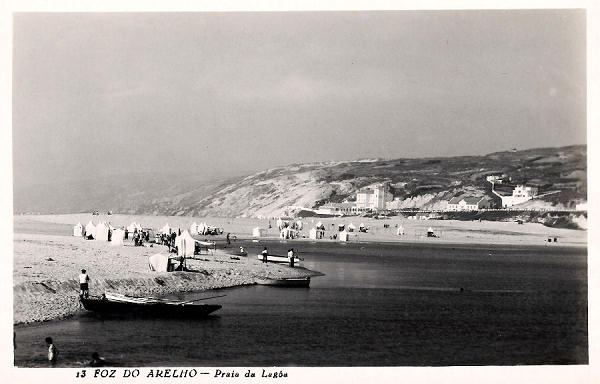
118	308
291	283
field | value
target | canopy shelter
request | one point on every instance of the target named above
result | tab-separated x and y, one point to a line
343	236
78	230
316	234
287	233
400	230
193	228
102	232
160	262
117	237
258	232
186	244
351	227
134	227
166	229
430	232
90	230
341	227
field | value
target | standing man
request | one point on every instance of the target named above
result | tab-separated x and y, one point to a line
265	253
228	241
52	351
83	284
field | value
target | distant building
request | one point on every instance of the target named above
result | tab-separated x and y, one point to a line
373	198
581	206
520	194
468	203
494	179
340	209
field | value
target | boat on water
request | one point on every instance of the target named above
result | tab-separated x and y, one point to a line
281	259
301	282
122	305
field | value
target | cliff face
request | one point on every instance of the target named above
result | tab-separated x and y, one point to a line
559	173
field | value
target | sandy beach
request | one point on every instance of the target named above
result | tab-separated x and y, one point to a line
47	258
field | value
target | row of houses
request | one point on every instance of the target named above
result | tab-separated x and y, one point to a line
377	198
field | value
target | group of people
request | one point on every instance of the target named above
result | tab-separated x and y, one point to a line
96	360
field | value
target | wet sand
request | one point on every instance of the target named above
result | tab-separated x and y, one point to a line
47	258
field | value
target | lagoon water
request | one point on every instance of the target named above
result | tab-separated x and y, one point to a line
377	305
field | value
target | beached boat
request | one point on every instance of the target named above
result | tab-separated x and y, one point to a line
301	282
114	304
280	259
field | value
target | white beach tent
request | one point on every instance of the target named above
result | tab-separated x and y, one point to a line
351	227
133	226
258	232
312	234
117	237
186	244
343	236
90	229
158	262
400	230
286	233
299	225
194	228
166	229
279	223
101	232
78	230
202	228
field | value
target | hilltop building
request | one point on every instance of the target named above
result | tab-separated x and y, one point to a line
520	194
373	198
468	203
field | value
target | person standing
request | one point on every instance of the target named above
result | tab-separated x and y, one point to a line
291	257
265	253
228	241
83	284
52	351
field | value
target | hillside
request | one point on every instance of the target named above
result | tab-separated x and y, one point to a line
559	173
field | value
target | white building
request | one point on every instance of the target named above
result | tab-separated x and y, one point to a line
340	209
373	198
467	203
520	194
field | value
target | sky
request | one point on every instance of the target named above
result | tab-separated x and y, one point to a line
221	94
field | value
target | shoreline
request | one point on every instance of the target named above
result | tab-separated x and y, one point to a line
45	285
47	258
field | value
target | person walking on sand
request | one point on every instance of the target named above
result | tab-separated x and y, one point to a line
52	351
228	241
83	284
265	253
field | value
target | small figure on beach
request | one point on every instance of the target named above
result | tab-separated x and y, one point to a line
228	241
83	284
52	351
291	257
265	253
242	250
97	361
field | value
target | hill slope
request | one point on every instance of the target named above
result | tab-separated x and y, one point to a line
423	183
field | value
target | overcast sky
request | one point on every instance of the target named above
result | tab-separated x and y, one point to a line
224	93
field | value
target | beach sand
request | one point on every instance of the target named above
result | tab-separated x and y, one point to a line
48	259
46	267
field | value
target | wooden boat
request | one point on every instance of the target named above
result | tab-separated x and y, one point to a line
302	282
114	304
281	259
